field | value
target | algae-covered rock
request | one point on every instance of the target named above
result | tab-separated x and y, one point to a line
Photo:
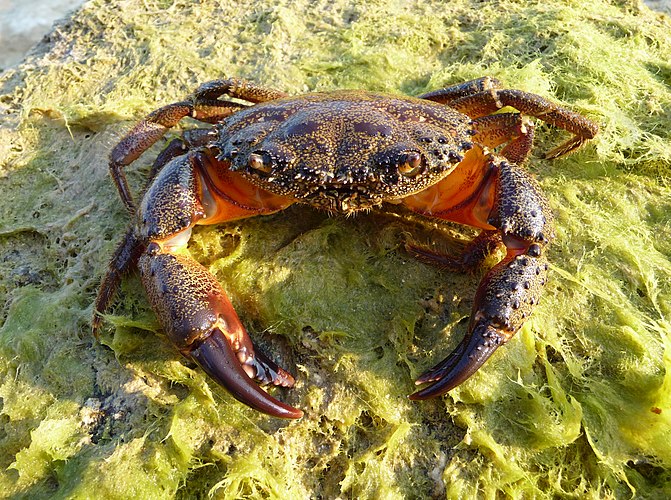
578	404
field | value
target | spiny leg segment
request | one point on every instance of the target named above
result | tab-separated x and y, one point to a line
484	96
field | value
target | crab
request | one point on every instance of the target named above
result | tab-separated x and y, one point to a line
450	155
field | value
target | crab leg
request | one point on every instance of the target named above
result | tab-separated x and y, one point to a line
509	201
240	89
191	305
125	259
204	106
514	130
475	253
484	96
149	130
449	94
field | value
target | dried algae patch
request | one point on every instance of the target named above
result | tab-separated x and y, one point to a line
577	405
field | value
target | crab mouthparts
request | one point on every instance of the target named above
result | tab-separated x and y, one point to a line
342	199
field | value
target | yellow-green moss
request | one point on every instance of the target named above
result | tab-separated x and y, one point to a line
577	405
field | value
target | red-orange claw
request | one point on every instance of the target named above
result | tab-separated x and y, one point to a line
198	318
217	358
476	348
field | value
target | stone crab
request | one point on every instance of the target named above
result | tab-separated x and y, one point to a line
447	154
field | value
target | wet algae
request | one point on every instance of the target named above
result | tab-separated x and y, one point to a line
577	405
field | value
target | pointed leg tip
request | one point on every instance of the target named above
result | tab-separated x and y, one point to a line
96	323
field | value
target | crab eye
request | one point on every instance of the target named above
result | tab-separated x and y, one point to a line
260	161
410	164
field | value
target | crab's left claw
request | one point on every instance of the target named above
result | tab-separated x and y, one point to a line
518	211
198	317
504	300
464	361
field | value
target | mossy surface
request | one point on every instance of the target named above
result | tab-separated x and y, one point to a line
577	405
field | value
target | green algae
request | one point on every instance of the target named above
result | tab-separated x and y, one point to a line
577	405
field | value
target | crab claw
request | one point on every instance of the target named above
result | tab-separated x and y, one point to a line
199	319
217	358
464	361
504	300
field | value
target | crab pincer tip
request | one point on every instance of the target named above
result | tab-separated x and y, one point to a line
217	358
473	351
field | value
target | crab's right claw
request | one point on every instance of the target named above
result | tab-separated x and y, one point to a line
216	357
198	317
